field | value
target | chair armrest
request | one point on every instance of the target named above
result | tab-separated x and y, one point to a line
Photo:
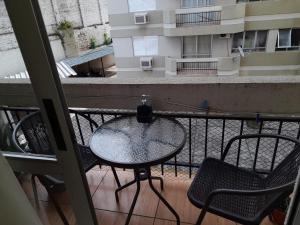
249	136
285	187
15	139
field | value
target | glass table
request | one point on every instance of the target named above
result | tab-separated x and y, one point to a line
125	143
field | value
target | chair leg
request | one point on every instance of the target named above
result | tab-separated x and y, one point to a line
201	217
57	207
35	193
116	176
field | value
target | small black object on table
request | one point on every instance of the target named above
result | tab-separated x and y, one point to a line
123	142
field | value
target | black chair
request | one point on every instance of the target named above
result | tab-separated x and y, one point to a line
30	136
241	195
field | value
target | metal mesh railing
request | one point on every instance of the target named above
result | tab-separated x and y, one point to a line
194	68
207	136
198	18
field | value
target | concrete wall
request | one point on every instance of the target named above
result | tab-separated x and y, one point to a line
221	47
128	64
277	95
12	61
272	64
117	7
123	47
87	16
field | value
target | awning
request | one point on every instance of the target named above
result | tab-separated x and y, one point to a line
91	55
64	71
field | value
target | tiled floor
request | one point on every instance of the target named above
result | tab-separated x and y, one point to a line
149	209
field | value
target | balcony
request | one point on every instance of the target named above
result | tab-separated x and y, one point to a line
203	17
221	66
195	21
208	135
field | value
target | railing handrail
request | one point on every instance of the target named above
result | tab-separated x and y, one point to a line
198	10
183	114
204	60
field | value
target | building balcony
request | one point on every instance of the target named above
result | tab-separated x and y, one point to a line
208	135
221	66
205	20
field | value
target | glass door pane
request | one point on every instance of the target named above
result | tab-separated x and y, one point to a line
189	3
284	38
261	40
204	46
249	40
237	41
189	47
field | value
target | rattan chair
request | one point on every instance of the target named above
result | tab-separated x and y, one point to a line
242	195
30	136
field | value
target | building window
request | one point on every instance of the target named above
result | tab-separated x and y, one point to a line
141	5
250	41
197	46
196	3
147	45
288	39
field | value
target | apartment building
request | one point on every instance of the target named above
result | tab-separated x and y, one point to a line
163	38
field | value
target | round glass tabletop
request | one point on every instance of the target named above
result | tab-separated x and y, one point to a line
124	142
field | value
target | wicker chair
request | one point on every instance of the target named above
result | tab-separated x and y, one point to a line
35	141
241	195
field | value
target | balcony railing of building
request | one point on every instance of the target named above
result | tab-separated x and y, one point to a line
207	66
196	3
207	136
198	18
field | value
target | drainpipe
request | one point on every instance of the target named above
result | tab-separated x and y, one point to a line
15	208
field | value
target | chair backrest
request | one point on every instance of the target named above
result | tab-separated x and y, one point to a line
35	132
286	171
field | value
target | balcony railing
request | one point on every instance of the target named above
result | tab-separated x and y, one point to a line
196	3
207	66
207	136
198	18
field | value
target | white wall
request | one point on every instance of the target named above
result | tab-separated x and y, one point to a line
167	4
117	6
12	61
123	47
169	46
221	47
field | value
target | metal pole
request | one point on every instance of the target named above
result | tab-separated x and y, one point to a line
34	44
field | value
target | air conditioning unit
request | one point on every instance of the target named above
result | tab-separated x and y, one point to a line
141	18
146	63
224	35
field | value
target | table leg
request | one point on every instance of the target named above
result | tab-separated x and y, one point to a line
138	186
161	181
122	187
164	201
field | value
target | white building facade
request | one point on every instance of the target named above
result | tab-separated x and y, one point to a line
163	38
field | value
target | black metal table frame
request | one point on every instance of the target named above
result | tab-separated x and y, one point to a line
142	171
141	174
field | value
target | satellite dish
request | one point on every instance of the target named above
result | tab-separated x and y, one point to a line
241	51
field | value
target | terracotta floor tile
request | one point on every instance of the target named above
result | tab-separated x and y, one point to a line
175	194
223	221
116	218
49	215
168	222
94	177
104	197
